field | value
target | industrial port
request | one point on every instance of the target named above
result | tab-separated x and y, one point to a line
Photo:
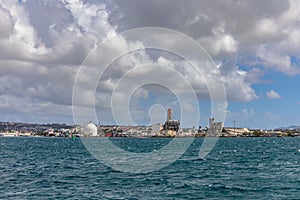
170	128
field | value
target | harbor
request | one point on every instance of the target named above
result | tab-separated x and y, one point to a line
170	128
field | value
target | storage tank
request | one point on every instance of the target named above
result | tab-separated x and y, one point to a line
90	129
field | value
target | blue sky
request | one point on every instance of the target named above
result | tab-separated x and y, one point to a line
254	45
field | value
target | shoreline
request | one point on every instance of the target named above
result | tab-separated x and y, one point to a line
149	137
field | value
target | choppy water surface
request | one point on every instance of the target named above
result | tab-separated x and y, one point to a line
237	168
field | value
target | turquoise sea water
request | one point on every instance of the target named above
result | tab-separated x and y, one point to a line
237	168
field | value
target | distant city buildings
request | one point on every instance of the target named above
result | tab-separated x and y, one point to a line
170	128
215	128
156	128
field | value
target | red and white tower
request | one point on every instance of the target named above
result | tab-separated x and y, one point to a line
169	114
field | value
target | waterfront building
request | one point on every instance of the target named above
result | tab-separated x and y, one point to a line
234	131
215	128
156	128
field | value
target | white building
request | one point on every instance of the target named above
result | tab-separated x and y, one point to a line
236	131
215	128
156	128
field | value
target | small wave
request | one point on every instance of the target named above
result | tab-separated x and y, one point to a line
184	186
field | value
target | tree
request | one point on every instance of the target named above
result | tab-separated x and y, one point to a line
257	133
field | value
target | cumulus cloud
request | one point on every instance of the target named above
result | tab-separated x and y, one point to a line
237	88
280	62
219	43
6	23
39	64
43	43
273	95
227	27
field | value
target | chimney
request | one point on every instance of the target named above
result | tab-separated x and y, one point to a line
169	114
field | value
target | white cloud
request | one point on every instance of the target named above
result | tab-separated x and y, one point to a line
6	23
253	27
237	87
273	95
43	43
219	43
278	61
23	42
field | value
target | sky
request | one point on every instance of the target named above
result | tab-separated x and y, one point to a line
252	47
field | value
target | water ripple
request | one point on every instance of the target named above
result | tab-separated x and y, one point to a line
237	168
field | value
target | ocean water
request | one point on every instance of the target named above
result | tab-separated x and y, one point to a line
237	168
